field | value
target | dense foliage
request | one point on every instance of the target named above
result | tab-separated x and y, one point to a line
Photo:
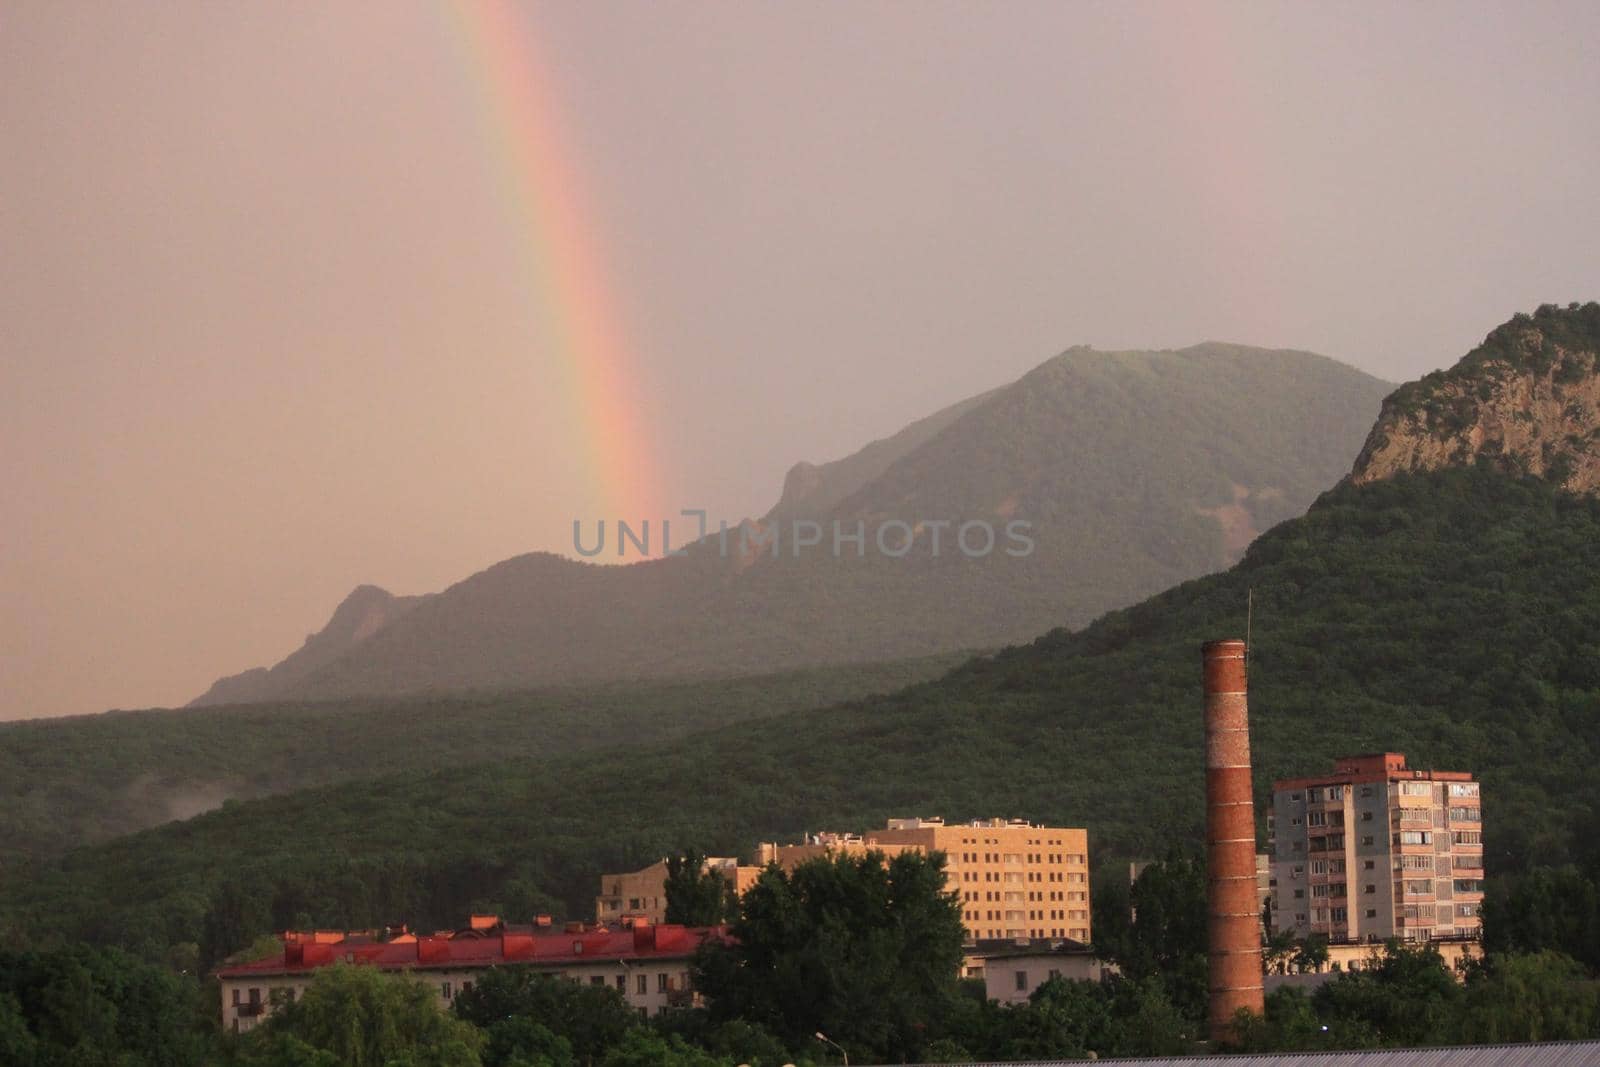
1452	616
697	896
75	781
859	948
848	955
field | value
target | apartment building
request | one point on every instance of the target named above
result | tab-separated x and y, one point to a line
648	964
642	894
1375	850
1014	879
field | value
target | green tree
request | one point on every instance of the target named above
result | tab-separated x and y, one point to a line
17	1044
1407	997
642	1048
1544	996
1546	908
367	1018
90	1006
697	896
861	949
1165	936
1312	953
521	1042
1062	1020
593	1019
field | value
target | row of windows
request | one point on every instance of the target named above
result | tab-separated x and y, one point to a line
1075	858
1077	933
1054	894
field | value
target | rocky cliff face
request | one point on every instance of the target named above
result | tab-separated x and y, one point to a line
1526	401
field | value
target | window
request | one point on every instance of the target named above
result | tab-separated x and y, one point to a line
1372	913
597	979
1366	790
643	984
1300	894
1465	814
1316	818
1469	885
1467	837
236	993
1368	865
661	983
1370	889
1022	981
1415	789
1366	816
1414	837
1367	840
445	990
622	983
1319	866
1463	789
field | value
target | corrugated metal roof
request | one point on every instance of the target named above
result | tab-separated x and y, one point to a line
1543	1054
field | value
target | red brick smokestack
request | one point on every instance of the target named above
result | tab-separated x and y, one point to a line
1233	936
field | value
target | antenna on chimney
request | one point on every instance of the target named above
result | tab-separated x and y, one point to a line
1249	617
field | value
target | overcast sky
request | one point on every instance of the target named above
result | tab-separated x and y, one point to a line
264	304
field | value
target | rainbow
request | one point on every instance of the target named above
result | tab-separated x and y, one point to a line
561	258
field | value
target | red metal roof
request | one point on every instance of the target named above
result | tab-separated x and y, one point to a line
645	942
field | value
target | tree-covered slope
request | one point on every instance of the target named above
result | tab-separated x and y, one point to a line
74	781
1136	470
1453	615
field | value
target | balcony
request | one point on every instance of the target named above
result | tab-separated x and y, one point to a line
250	1009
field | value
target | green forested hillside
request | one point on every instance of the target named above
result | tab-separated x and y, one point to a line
75	781
1454	616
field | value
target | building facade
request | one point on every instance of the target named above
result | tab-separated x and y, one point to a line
646	963
642	894
1014	879
1375	850
1013	969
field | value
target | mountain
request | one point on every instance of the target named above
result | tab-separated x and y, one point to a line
363	613
1131	471
1526	401
1451	614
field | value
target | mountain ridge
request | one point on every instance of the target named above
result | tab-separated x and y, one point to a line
1526	401
1136	469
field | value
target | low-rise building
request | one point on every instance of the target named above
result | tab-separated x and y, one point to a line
647	964
1012	969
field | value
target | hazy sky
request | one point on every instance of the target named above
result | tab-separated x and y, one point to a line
269	329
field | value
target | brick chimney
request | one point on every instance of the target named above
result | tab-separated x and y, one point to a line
1232	927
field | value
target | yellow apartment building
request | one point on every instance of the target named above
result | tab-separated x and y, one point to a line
642	894
1014	879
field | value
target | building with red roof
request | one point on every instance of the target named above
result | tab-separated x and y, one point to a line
647	964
